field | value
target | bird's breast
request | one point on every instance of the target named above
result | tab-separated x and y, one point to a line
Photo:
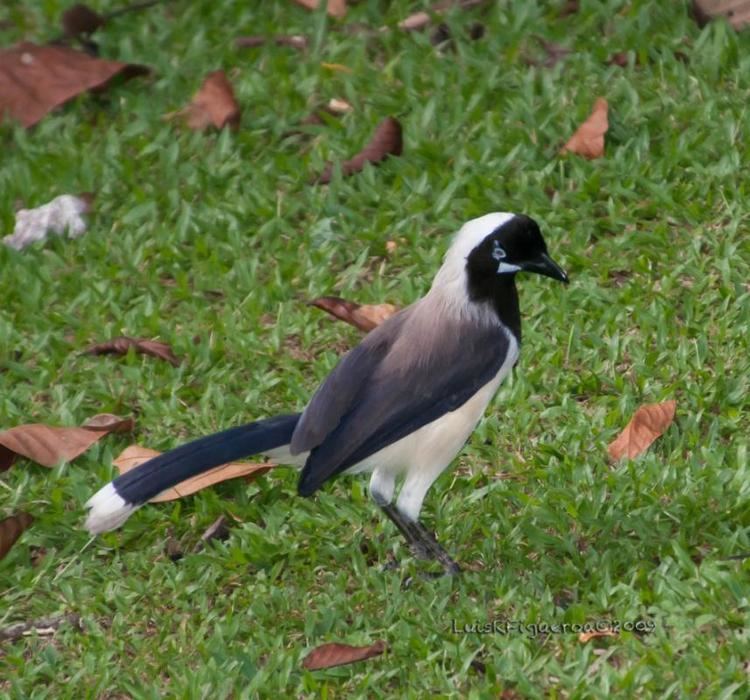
436	444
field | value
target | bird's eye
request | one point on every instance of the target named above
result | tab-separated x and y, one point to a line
498	252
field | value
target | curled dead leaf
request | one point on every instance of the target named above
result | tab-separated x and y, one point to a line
335	8
365	317
588	140
11	529
135	455
213	105
584	637
109	423
648	423
334	654
49	446
121	345
386	141
36	79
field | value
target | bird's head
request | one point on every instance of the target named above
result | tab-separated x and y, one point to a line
502	244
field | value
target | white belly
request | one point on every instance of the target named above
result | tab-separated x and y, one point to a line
435	445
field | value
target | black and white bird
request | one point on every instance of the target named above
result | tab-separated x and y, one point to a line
401	404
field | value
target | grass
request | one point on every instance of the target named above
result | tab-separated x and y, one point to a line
213	242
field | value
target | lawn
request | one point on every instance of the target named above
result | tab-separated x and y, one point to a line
215	241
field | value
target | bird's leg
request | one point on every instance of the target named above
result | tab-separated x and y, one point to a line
420	538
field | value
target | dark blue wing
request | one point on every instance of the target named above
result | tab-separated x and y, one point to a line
402	392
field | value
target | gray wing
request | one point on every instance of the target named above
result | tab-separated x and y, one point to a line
341	389
391	395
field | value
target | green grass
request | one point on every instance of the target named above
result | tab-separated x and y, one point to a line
213	242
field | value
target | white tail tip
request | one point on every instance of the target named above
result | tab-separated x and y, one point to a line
108	511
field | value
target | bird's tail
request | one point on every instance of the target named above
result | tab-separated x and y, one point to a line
113	504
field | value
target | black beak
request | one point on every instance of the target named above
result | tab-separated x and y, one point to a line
545	265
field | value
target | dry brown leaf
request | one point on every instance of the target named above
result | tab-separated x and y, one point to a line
42	626
109	423
49	446
120	346
386	141
588	140
736	12
333	654
36	79
570	7
647	424
134	455
335	8
213	105
584	637
81	19
11	529
365	317
296	41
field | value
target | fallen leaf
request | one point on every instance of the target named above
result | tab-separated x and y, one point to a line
63	213
213	105
736	12
647	424
296	41
334	654
81	19
109	423
364	317
335	8
36	79
134	455
386	140
11	529
588	140
584	637
42	626
570	7
49	446
120	346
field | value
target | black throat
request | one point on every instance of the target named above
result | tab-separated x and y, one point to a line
499	291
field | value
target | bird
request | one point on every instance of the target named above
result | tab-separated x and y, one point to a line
400	405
